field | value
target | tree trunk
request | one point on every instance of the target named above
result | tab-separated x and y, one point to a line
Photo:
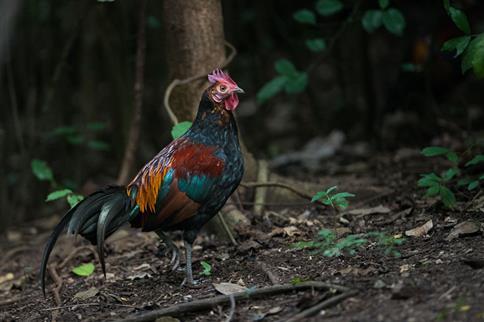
194	45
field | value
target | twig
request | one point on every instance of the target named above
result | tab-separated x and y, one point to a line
9	301
272	277
58	281
278	185
176	82
76	252
232	308
84	304
227	229
134	130
14	252
208	303
260	194
318	307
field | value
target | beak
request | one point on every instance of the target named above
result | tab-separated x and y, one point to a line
239	90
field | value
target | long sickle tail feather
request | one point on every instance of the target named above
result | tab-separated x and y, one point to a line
94	218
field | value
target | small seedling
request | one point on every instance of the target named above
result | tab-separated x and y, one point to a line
84	270
330	198
206	268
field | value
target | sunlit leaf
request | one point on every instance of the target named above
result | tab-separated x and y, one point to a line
305	16
207	268
433	151
180	129
54	195
474	56
296	84
473	185
73	199
476	160
41	170
270	89
328	7
285	67
394	21
84	270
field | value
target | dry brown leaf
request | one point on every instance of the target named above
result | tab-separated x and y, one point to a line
369	211
421	230
229	288
87	294
467	227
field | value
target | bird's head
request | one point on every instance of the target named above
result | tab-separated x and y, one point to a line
224	89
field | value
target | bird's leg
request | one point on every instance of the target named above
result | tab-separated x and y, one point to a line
170	245
188	253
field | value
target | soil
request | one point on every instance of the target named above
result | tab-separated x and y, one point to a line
434	279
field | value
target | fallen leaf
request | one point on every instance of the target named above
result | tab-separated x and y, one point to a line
167	319
142	266
291	231
248	245
467	227
229	288
84	295
84	269
421	230
370	211
7	277
139	276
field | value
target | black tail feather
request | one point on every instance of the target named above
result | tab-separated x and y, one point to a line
94	218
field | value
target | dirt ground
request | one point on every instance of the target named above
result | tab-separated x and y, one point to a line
435	278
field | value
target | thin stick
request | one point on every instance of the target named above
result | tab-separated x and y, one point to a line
58	282
76	252
232	308
134	130
278	185
208	303
272	277
176	82
318	307
227	229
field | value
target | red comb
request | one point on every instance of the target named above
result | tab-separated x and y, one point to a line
219	76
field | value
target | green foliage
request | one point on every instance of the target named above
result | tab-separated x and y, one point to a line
84	270
305	16
384	3
440	185
327	243
470	46
330	198
180	129
78	136
328	7
391	18
289	79
316	44
206	268
297	280
41	170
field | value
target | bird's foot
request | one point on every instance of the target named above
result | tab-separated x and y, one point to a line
193	284
175	259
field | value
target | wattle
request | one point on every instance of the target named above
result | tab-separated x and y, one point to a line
232	102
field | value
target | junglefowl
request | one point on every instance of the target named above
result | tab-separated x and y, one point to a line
181	188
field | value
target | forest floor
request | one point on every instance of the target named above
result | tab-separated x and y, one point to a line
439	275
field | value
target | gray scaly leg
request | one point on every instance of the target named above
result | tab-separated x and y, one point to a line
188	251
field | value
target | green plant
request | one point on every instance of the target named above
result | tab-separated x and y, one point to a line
441	185
180	128
43	172
206	268
82	136
471	46
326	242
329	197
391	18
84	270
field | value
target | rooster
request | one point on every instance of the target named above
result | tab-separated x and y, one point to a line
181	188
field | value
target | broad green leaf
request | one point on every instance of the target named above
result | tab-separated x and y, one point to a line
394	21
73	199
75	139
41	170
318	196
473	185
475	160
207	268
429	180
383	3
474	56
297	84
343	195
446	5
180	129
432	191
460	19
452	157
63	131
285	67
433	151
305	16
316	44
458	44
84	269
271	89
372	20
327	234
463	182
331	189
54	195
450	173
447	196
98	145
328	7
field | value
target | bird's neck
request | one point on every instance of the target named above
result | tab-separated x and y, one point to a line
213	124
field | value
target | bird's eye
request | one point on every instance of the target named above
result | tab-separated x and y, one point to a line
223	88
